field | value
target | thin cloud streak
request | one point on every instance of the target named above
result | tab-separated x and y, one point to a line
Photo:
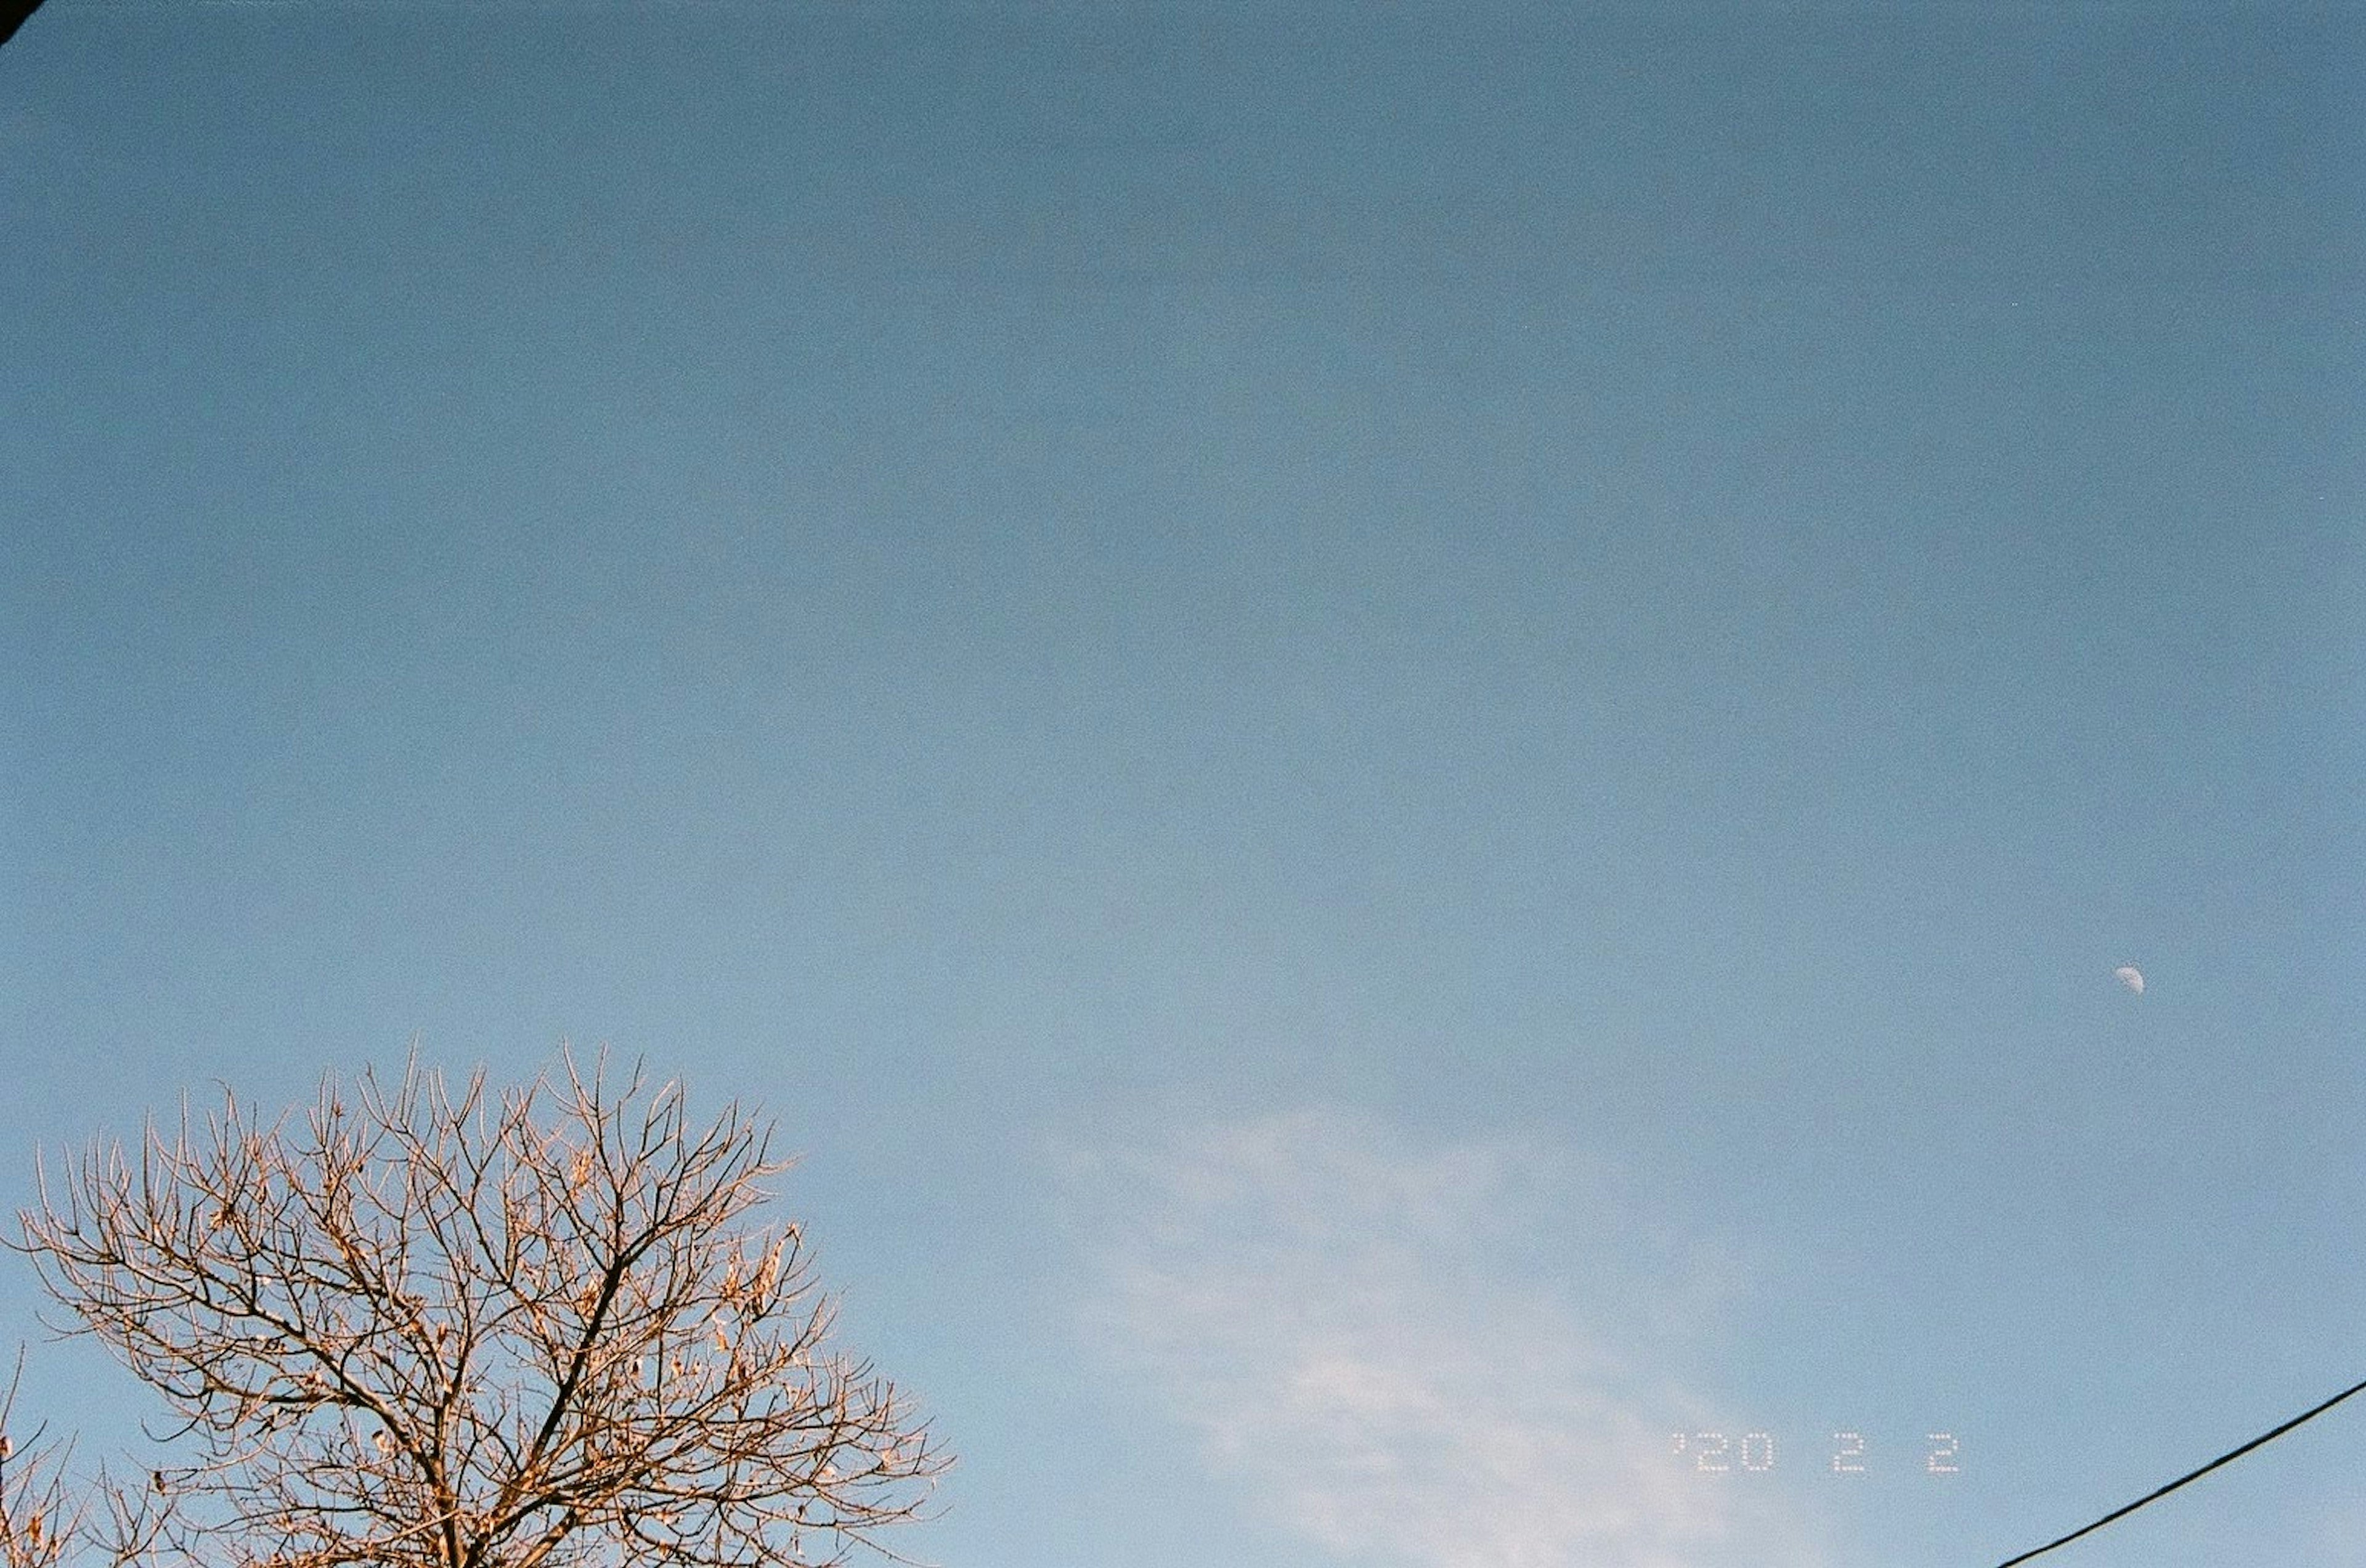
1344	1323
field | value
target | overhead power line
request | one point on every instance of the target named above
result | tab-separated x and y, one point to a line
13	16
2227	1458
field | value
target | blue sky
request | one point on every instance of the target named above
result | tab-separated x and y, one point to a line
1412	740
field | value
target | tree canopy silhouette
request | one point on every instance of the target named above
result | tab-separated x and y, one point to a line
525	1329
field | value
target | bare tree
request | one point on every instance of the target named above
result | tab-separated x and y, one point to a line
41	1517
48	1516
480	1331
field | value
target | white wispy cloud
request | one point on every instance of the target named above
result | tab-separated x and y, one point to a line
1346	1321
2340	1536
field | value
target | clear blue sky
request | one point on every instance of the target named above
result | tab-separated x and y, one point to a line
1413	740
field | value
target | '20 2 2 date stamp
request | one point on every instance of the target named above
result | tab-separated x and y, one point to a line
1849	1453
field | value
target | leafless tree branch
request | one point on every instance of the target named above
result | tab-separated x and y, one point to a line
535	1328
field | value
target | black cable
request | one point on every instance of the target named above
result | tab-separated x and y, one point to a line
2196	1475
12	14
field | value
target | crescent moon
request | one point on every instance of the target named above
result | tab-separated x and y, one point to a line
2129	976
